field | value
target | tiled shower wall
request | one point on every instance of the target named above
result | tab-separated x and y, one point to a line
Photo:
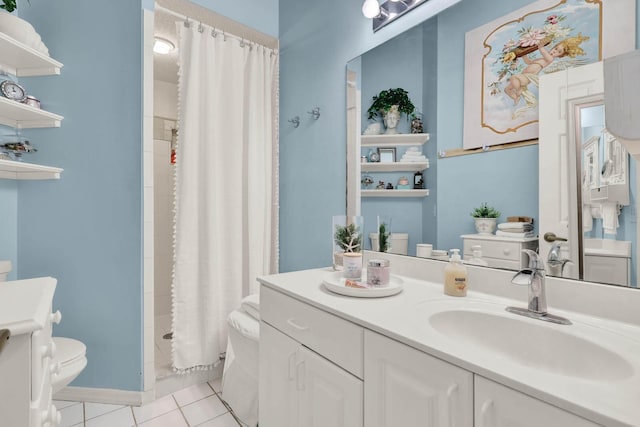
163	210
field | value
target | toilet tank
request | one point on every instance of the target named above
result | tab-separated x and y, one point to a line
399	243
5	268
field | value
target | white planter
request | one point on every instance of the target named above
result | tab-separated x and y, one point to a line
485	226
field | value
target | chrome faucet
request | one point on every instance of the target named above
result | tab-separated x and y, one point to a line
534	278
555	261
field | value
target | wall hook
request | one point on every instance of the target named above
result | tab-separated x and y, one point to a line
295	121
315	113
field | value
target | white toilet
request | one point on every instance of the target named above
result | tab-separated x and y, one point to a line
70	354
240	375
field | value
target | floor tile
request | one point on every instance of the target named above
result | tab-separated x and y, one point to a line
122	417
71	415
60	404
203	410
225	420
193	393
92	410
171	419
154	409
217	385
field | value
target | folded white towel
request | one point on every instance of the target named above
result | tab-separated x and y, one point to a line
515	235
610	222
251	305
522	226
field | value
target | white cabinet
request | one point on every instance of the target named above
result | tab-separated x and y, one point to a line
310	366
22	60
498	251
500	406
25	358
406	387
298	387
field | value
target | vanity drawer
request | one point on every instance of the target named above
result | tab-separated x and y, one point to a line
334	338
498	250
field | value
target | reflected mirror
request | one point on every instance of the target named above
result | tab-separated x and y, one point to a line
428	62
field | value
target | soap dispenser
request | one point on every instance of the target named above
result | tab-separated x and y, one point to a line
455	276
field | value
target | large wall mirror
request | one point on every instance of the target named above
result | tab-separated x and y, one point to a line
592	201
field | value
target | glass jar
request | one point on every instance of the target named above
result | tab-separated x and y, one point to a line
378	272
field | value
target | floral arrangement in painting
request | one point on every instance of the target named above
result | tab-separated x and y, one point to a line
552	40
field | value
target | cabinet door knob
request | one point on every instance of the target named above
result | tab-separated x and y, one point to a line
56	317
484	412
300	376
291	322
450	392
506	251
48	350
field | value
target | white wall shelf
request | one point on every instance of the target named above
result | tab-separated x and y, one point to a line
10	169
394	167
397	140
22	116
23	61
394	193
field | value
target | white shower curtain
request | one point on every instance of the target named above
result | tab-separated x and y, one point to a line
226	187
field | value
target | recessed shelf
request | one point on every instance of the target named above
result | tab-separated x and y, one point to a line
10	169
394	193
24	61
23	116
394	167
397	140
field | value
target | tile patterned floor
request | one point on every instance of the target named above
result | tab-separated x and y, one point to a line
199	405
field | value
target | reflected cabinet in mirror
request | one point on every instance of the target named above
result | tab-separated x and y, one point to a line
571	196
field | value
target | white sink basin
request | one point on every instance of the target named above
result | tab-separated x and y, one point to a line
558	349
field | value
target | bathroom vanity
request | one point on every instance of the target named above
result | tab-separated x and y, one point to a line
500	252
422	358
25	358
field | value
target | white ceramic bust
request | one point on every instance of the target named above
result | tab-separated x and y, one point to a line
391	119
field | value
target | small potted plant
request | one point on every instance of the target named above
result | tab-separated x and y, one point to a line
390	104
485	218
347	237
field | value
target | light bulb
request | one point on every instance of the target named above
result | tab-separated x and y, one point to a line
162	46
371	8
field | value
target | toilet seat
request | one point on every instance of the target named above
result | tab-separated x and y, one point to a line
71	354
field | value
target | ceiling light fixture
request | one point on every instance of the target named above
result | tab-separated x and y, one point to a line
390	10
162	46
371	8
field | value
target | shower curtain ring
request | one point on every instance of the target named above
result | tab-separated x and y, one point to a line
242	42
187	24
200	27
213	33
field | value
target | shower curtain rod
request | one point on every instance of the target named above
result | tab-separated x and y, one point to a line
218	31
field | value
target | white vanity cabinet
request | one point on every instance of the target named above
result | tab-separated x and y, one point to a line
25	358
500	406
406	387
309	362
498	251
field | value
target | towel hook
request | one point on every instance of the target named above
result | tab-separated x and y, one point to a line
295	121
315	113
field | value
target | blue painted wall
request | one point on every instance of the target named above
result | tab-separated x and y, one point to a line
86	228
8	219
261	15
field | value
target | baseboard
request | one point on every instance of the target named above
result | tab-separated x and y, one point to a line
101	395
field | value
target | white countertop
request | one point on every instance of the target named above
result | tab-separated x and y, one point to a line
26	304
403	318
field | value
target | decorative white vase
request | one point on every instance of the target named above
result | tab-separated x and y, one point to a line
485	226
391	119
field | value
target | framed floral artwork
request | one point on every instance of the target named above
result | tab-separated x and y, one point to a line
505	58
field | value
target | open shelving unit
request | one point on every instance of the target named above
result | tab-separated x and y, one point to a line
394	193
394	167
23	61
395	140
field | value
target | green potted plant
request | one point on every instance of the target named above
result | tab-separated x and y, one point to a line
10	5
383	237
347	237
390	104
485	218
